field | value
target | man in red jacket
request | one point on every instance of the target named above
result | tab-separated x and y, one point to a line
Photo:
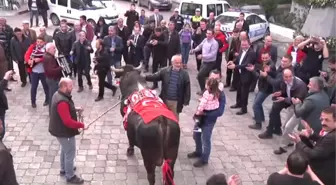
52	70
223	46
64	126
87	28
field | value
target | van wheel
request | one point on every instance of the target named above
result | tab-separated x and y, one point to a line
92	22
54	19
150	7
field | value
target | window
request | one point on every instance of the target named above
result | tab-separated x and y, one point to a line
75	4
211	8
53	1
226	7
219	9
63	3
190	8
258	20
250	20
224	19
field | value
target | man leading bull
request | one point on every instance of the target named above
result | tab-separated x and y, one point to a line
150	125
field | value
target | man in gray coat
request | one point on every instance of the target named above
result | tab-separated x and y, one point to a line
156	17
311	107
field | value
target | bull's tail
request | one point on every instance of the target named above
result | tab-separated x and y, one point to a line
163	129
167	171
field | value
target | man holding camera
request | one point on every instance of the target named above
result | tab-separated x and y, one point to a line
316	51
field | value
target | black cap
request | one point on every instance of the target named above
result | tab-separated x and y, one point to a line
17	29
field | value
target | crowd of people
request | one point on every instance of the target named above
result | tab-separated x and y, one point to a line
298	85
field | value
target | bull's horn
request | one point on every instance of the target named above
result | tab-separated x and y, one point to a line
116	70
139	67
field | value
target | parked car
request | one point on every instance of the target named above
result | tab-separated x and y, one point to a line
259	26
187	8
152	4
71	10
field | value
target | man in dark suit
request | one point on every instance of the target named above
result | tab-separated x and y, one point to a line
245	58
156	17
174	46
322	153
123	32
266	47
136	44
114	47
241	24
132	16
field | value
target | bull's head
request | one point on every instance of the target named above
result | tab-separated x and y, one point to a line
126	69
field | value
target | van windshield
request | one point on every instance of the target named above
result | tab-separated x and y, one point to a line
224	19
94	5
190	8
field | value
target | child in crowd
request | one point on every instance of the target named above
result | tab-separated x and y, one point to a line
208	102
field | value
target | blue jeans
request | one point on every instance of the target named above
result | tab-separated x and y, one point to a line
35	79
109	75
68	153
52	88
203	139
2	135
185	49
258	108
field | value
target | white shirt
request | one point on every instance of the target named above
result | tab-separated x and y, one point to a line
84	28
294	54
242	58
288	89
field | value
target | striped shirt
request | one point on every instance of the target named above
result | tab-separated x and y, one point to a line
208	102
33	5
38	53
3	40
172	93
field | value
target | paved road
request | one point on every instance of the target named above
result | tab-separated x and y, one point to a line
101	155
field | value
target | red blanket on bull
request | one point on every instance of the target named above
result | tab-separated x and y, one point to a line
148	106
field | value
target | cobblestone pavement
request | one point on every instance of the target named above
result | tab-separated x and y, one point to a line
101	155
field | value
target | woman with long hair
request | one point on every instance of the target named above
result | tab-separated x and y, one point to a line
101	30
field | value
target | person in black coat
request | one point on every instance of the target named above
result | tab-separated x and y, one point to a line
101	30
148	31
132	16
136	44
123	32
174	45
198	36
102	67
177	19
81	51
241	24
158	43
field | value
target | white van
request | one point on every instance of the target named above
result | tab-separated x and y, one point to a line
187	8
71	10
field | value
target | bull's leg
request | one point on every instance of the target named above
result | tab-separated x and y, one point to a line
150	168
131	140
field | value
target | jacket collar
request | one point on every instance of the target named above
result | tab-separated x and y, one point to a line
64	94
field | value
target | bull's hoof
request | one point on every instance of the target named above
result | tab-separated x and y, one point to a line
130	151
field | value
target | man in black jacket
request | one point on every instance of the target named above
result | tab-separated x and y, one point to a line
177	19
132	16
4	102
198	36
242	24
123	32
175	85
174	46
158	43
63	41
148	31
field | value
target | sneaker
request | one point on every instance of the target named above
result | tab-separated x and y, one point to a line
80	89
98	98
193	155
75	180
33	105
199	164
23	84
46	103
197	129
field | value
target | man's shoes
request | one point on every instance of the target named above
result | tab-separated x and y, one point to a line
200	163
235	106
197	130
279	133
154	87
290	144
75	180
265	135
98	98
45	103
199	93
241	112
255	126
62	173
80	89
8	89
33	105
90	87
226	86
279	151
23	84
232	89
193	155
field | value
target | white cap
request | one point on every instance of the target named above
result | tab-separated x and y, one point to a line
176	10
25	22
198	10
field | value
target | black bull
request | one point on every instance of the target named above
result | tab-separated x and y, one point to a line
159	140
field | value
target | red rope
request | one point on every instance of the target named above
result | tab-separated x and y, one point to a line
167	172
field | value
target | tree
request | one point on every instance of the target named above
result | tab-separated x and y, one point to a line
269	7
